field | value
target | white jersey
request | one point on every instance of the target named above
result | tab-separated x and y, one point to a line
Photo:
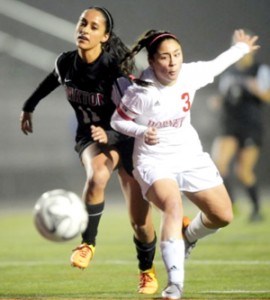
179	154
167	108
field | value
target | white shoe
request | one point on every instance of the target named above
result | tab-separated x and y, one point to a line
173	291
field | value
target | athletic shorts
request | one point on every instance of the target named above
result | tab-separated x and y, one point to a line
194	174
245	136
124	146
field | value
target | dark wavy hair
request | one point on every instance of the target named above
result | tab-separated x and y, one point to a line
115	46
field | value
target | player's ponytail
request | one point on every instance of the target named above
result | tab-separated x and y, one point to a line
120	51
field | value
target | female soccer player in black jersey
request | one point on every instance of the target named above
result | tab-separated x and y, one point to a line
87	75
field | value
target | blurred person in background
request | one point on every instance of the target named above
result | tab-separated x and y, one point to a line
244	89
168	155
87	75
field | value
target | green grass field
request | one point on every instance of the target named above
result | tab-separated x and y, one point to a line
232	264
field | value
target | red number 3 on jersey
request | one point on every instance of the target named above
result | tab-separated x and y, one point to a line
186	98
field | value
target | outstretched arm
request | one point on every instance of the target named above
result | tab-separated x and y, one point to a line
242	44
207	70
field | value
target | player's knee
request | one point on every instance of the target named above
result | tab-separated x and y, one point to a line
98	179
227	218
144	232
222	219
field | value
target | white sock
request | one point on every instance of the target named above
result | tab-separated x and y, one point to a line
197	230
173	254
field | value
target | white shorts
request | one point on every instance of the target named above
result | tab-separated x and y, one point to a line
192	175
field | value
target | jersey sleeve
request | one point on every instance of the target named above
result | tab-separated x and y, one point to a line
130	107
61	65
49	84
204	72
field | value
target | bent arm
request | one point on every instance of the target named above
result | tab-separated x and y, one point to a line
123	123
46	86
49	84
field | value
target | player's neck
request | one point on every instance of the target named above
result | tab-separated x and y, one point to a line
89	56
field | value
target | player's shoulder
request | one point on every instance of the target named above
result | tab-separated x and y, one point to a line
142	96
63	63
150	80
66	57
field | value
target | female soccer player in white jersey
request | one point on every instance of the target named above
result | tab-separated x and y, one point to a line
168	154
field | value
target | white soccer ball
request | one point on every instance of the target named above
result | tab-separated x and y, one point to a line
60	215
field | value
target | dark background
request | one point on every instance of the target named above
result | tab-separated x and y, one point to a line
30	165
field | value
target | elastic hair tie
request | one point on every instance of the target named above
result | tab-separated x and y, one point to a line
160	36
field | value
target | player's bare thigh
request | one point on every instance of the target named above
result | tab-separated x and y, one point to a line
96	161
165	194
223	151
216	205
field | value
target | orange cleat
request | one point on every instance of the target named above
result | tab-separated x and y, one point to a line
148	282
82	255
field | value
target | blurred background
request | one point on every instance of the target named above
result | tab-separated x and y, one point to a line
34	32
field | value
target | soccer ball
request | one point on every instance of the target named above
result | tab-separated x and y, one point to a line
60	215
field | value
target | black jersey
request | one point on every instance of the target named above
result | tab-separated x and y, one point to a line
241	109
88	89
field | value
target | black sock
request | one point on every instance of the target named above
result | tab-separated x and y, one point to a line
253	194
145	253
94	215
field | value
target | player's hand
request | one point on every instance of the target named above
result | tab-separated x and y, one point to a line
26	122
150	136
99	134
240	36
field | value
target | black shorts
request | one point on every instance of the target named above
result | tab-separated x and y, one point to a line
123	145
246	136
